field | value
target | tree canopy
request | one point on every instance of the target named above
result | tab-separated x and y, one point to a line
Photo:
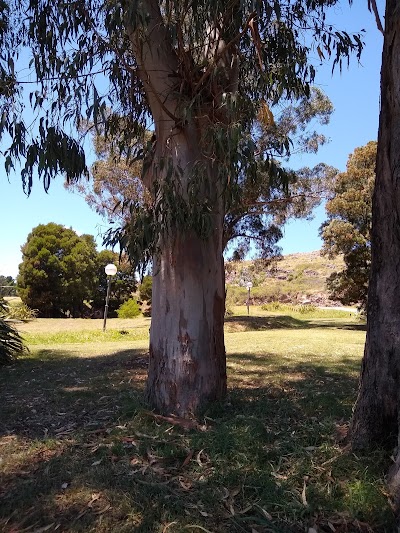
58	271
348	228
264	205
88	55
62	274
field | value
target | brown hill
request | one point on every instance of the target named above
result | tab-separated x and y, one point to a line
294	278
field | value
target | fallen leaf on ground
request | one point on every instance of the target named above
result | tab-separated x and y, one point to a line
106	508
95	497
304	498
178	421
264	512
186	485
168	526
44	528
188	459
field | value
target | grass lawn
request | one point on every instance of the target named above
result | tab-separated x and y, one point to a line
79	451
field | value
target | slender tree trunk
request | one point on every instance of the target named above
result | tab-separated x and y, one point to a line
376	414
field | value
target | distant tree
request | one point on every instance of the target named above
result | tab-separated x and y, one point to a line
58	271
115	180
348	228
146	288
123	284
11	344
129	309
7	286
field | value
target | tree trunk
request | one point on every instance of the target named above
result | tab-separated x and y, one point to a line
376	413
187	366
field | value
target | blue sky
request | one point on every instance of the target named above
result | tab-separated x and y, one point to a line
354	94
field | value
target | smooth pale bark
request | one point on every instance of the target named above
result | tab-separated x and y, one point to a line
187	366
376	414
187	353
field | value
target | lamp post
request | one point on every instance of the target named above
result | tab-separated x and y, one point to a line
249	286
110	270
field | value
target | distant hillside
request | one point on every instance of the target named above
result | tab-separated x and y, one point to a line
294	278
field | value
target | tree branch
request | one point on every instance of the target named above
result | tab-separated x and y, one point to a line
156	59
373	7
223	51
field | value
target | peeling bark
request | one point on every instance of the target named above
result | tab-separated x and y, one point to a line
187	366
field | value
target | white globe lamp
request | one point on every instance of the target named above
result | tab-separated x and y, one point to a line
110	270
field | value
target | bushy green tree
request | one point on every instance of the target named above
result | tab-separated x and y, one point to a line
129	309
146	288
348	228
11	344
58	271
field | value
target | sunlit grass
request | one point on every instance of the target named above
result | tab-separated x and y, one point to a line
89	336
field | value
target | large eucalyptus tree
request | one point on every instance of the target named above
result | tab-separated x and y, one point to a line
199	72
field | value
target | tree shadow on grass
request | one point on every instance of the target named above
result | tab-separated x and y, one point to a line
85	456
54	392
260	323
310	383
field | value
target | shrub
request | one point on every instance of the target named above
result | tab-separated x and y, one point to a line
129	309
146	288
22	312
303	309
11	344
235	295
